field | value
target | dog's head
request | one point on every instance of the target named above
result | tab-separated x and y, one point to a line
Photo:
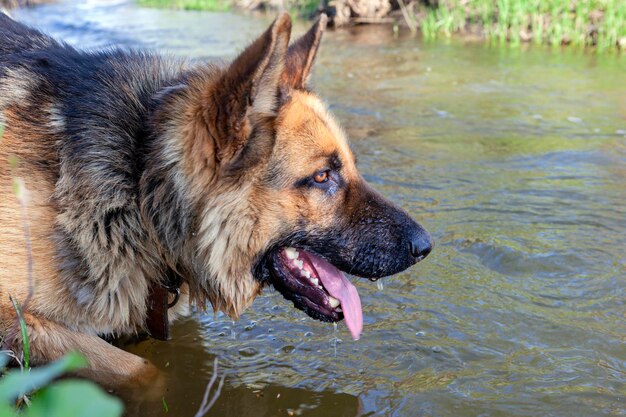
275	192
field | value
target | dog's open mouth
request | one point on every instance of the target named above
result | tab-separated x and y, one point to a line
317	287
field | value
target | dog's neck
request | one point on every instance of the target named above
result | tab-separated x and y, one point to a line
166	207
180	177
165	200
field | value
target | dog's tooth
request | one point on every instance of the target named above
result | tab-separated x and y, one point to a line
315	281
291	253
298	263
338	310
306	273
334	303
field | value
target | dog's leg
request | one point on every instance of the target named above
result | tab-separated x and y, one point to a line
108	365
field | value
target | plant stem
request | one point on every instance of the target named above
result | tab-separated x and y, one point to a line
22	323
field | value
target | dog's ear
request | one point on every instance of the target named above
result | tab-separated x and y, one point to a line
301	55
248	92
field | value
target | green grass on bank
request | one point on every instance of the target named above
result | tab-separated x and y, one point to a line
207	5
302	8
597	23
600	23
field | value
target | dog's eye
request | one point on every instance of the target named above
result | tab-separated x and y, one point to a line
321	177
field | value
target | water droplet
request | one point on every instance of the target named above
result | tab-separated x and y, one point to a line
233	333
420	334
380	285
334	340
437	349
308	334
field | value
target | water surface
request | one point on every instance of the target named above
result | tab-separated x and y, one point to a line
514	159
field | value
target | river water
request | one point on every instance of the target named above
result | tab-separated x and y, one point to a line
514	159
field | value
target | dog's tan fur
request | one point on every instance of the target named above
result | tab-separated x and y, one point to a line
226	157
57	322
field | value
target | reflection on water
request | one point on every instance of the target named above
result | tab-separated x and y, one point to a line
514	160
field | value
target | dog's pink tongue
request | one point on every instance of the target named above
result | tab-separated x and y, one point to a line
339	287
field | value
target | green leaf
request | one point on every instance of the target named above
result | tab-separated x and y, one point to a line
73	398
7	411
16	383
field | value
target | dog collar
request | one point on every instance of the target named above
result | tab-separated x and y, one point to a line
157	320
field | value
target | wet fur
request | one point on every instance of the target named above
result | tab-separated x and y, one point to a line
137	167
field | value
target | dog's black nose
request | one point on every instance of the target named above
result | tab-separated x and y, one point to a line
421	245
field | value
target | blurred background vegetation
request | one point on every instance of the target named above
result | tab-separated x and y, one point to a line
598	23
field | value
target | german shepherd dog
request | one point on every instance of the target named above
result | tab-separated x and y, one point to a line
144	175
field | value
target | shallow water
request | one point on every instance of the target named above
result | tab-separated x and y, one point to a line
514	159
